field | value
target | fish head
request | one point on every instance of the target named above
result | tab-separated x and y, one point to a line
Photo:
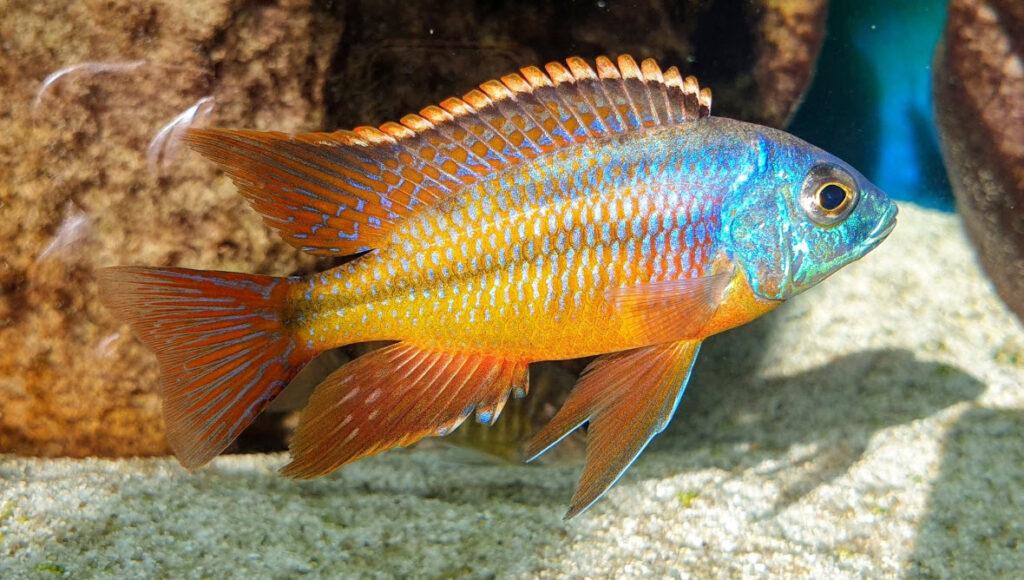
804	215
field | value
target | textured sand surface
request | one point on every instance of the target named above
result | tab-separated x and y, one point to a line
871	427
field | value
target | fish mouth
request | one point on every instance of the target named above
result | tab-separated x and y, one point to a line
883	229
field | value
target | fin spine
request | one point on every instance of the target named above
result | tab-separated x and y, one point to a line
344	192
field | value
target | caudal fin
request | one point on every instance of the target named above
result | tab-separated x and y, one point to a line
223	349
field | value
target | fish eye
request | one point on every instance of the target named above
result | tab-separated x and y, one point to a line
832	195
829	194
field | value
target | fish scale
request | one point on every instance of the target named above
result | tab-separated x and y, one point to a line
550	214
434	254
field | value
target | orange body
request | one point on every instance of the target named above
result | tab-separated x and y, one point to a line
528	274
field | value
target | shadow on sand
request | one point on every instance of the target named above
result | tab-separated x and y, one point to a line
735	420
975	521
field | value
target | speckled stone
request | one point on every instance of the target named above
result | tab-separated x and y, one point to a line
79	194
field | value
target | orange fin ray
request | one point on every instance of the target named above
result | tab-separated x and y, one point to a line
341	193
628	398
329	194
394	397
223	351
668	311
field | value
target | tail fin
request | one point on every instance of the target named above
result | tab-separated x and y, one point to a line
223	349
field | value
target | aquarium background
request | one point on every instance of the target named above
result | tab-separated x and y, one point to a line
867	428
871	99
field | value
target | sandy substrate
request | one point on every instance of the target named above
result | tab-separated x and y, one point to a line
871	427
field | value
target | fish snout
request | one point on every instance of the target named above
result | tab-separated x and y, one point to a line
886	223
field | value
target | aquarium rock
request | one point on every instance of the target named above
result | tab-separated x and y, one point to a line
979	108
396	56
87	87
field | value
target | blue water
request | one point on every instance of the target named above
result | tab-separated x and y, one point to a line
871	102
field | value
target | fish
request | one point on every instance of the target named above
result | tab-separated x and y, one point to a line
505	440
560	212
501	442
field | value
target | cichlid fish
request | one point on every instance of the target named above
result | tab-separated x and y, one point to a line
553	214
505	439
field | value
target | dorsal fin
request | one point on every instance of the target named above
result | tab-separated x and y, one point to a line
340	193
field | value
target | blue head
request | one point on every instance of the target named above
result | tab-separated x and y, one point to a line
801	215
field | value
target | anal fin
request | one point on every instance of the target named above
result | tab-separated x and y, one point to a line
394	397
628	397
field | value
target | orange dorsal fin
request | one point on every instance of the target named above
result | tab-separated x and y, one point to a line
395	396
628	397
340	193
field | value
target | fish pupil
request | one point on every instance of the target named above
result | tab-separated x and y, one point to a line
831	197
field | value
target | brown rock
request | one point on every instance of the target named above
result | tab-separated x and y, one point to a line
78	194
979	106
395	56
73	381
789	39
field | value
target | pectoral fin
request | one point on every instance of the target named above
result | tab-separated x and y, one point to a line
628	398
668	311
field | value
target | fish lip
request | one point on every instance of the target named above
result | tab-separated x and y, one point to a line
885	227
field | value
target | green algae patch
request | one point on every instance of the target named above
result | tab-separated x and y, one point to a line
50	569
1010	353
6	511
685	498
